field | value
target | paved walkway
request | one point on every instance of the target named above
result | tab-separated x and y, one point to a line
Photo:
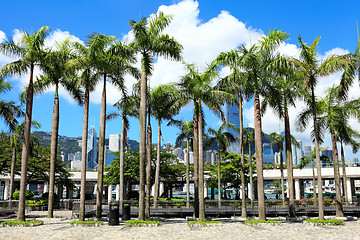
58	228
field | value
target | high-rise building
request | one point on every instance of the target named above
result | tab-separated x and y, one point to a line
307	151
191	157
71	157
179	153
208	156
327	152
268	155
213	157
232	116
355	162
114	142
76	162
277	158
92	150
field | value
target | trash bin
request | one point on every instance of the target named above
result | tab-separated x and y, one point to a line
113	214
125	214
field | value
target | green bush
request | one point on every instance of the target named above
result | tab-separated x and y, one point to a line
146	223
85	223
203	224
256	221
45	196
28	195
27	223
334	222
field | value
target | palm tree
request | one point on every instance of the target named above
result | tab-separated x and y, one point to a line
198	87
87	78
223	140
150	43
311	68
112	60
186	132
8	110
332	113
30	51
282	93
237	84
254	63
56	74
128	105
249	138
166	100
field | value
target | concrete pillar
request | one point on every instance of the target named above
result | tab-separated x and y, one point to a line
250	194
46	187
297	189
205	190
349	190
161	188
152	190
287	188
27	187
302	190
117	192
109	193
6	190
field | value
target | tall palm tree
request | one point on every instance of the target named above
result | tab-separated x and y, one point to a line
9	111
223	140
283	93
311	68
166	100
186	133
198	87
112	60
29	51
254	62
332	113
56	74
237	84
249	139
129	106
150	43
87	78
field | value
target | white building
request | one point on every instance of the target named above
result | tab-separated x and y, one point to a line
114	142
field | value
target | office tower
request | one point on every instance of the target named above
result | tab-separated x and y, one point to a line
71	157
355	162
213	157
277	158
191	157
114	142
208	156
268	155
307	151
76	162
179	153
232	116
327	152
92	150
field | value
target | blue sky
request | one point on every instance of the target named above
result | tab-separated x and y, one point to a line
205	28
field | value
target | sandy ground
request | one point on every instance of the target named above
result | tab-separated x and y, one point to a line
58	228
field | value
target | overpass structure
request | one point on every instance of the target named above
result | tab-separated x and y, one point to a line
300	175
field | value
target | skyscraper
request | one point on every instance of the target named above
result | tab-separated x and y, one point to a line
232	116
307	151
114	142
92	151
268	155
327	152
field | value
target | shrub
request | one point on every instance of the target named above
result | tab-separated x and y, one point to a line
146	223
256	221
202	224
86	223
334	222
28	195
45	196
27	223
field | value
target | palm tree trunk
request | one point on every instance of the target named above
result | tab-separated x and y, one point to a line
243	197
344	173
157	170
12	174
201	169
53	154
314	184
339	208
84	156
148	169
99	190
318	162
259	157
219	176
282	180
26	145
187	174
196	159
289	162
251	190
122	153
142	145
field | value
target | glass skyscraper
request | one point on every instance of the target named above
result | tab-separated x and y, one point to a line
92	151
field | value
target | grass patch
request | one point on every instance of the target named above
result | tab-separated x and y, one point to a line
257	221
333	222
86	223
145	223
202	224
17	223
